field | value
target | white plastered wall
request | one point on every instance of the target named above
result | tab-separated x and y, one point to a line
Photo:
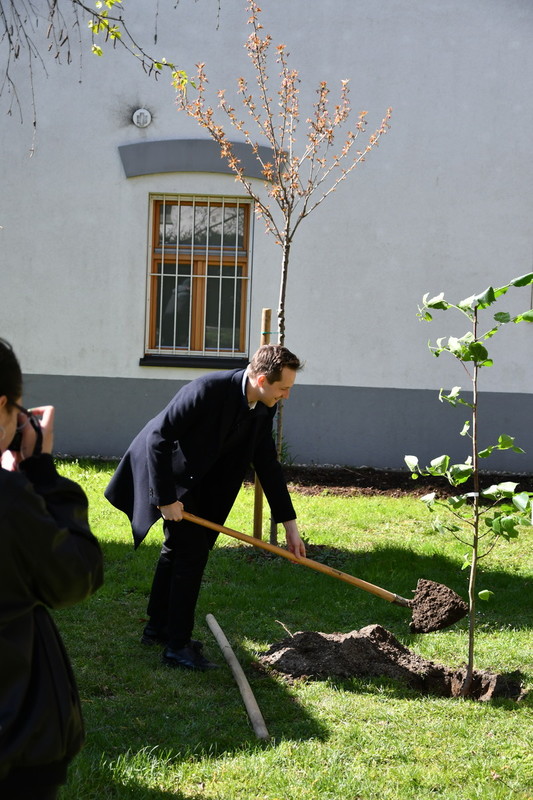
444	204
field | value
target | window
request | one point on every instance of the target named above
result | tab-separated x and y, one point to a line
199	277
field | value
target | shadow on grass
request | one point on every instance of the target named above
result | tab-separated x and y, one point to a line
133	702
99	785
388	687
398	571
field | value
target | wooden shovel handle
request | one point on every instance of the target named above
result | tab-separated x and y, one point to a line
306	562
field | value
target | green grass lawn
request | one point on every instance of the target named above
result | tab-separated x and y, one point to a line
157	733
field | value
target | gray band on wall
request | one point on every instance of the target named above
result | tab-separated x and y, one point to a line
188	155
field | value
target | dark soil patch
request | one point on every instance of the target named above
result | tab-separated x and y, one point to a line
374	652
353	481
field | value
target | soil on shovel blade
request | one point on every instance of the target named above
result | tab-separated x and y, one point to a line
374	652
434	607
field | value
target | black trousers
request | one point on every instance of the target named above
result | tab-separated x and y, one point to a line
33	783
177	580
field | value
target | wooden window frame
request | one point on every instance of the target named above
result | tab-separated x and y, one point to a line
196	258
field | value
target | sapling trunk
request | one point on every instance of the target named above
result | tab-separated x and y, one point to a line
475	523
286	247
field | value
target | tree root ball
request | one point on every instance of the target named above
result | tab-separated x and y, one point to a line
374	652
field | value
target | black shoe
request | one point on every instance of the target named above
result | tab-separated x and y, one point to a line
187	657
151	636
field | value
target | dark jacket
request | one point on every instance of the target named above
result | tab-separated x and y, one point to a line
48	557
197	450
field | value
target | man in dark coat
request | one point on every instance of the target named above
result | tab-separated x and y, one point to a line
193	456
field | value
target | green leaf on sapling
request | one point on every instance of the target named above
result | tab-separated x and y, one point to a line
468	304
486	298
485	594
507	443
466	428
498	490
459	473
491	333
454	345
527	316
476	352
505	525
445	527
486	452
437	302
502	290
521	501
523	280
439	466
457	502
412	462
502	316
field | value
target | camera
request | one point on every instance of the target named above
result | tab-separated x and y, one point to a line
17	441
17	438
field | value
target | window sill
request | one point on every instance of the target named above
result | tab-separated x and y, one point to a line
209	362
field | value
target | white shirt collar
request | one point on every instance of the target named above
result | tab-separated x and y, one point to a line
252	405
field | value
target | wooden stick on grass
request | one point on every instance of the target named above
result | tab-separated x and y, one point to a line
256	718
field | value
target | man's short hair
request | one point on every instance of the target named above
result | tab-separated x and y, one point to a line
271	359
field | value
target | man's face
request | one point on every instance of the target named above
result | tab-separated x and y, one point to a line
272	393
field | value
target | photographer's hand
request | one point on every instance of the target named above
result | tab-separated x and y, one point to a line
45	416
40	427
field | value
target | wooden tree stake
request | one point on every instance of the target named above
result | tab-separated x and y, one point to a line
256	718
266	318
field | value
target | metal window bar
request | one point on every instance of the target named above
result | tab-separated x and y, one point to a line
220	271
191	293
162	228
235	278
176	281
191	270
206	270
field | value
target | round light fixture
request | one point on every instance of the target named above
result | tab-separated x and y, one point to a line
141	118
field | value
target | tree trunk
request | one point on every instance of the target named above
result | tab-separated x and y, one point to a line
286	245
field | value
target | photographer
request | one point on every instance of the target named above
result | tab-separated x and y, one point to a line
48	557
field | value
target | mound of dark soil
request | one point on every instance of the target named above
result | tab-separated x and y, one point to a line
374	652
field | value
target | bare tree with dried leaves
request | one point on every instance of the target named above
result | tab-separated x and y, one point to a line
302	172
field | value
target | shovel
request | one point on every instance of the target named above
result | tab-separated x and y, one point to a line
434	606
